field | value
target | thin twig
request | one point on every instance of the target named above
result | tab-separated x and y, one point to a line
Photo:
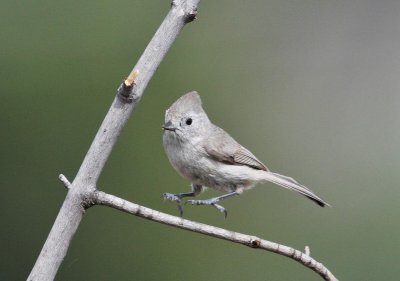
102	198
307	250
65	181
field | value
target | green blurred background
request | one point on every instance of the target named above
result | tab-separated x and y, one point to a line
311	87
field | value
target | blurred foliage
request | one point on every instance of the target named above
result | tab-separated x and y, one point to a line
311	87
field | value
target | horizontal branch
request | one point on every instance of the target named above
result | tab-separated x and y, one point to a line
102	198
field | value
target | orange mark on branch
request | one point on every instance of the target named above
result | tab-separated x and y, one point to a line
130	80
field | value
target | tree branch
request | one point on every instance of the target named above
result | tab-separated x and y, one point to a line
84	184
102	198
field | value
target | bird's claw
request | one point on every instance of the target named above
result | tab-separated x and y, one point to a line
175	198
210	202
221	209
172	197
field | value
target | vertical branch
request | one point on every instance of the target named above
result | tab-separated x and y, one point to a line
129	94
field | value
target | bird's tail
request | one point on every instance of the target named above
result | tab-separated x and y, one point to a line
292	184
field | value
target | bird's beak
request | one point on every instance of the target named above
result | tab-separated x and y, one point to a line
168	126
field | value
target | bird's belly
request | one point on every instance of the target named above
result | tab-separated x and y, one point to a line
212	174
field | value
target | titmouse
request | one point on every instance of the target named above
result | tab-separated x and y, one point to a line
209	157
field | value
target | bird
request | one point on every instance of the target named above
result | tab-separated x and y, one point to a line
208	156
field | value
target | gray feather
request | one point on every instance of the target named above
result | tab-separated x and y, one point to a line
230	151
291	184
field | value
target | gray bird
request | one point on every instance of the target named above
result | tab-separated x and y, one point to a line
209	157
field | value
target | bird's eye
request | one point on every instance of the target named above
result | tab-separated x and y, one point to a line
189	121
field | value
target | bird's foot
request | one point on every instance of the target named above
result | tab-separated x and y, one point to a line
211	202
172	197
175	198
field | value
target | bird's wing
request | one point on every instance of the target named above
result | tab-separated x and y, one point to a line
222	147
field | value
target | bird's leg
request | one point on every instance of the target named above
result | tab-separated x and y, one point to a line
196	190
213	202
